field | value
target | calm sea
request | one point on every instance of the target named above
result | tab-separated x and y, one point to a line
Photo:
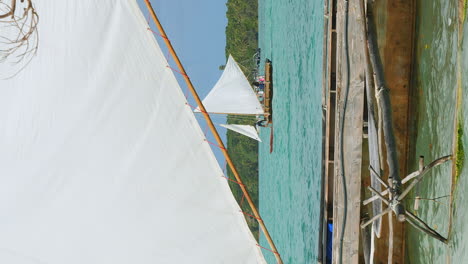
291	35
442	68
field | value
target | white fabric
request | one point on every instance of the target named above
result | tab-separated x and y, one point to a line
232	94
101	161
245	130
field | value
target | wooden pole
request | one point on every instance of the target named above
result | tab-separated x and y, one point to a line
219	113
214	131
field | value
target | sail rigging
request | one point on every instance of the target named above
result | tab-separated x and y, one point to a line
101	160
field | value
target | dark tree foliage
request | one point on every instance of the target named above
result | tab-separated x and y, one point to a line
241	43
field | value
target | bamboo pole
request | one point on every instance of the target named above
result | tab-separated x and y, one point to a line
219	113
214	131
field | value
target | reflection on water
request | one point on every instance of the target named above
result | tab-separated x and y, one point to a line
438	62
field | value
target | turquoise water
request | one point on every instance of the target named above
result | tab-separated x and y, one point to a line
441	69
291	35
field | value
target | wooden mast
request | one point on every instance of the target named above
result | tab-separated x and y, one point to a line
214	131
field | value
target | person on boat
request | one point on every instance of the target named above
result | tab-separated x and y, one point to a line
260	97
261	123
260	85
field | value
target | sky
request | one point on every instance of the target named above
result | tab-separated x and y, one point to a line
196	29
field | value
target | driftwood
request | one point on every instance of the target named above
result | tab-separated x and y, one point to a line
18	36
394	188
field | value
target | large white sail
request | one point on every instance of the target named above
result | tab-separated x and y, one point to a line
101	160
246	130
233	93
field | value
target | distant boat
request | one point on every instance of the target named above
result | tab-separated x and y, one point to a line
234	95
101	159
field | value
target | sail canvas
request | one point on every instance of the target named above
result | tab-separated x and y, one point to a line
232	94
246	130
101	160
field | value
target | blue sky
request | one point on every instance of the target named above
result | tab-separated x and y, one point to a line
197	32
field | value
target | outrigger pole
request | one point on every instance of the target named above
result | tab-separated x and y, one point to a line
214	131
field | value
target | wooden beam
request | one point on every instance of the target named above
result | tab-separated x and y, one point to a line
349	135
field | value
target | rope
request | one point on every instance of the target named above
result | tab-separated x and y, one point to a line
206	130
157	33
194	107
342	120
150	29
233	181
224	166
214	144
242	200
258	218
181	73
274	252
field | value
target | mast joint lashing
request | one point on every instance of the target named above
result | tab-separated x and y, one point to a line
272	251
214	144
253	216
227	178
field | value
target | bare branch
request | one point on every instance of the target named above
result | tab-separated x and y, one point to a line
19	35
426	169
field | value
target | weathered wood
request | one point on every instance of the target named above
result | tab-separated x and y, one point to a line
350	71
421	173
329	118
416	222
373	145
374	191
383	97
395	194
395	23
366	234
375	217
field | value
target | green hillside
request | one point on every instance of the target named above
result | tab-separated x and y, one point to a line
241	43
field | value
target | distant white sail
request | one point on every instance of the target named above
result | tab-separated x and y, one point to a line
101	161
233	93
245	130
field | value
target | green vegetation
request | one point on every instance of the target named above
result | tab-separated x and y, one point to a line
241	43
462	7
242	29
460	156
465	6
244	153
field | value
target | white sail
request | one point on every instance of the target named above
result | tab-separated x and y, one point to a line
245	130
101	161
233	93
